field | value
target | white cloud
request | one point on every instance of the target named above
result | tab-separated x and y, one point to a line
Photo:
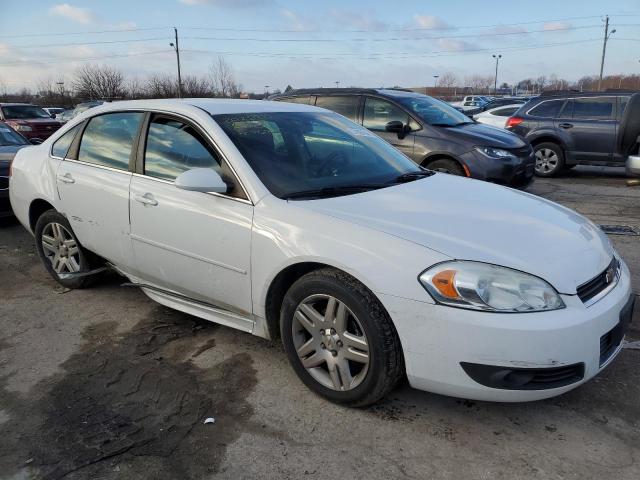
297	22
557	26
451	45
228	3
430	22
77	14
361	20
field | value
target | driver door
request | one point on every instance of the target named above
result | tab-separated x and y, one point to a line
378	112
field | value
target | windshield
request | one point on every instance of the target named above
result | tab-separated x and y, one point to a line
434	112
24	112
297	152
9	137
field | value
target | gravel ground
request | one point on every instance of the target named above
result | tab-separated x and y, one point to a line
104	383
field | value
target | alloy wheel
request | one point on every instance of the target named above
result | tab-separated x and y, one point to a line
330	342
546	160
60	248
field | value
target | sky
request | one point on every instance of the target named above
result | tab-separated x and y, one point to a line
311	44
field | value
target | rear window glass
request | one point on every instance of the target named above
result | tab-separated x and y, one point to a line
108	139
599	108
345	106
547	109
24	112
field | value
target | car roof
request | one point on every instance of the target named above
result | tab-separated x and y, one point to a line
392	92
574	93
214	106
17	104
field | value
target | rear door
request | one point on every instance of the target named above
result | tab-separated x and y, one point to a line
346	105
591	124
378	112
93	184
193	243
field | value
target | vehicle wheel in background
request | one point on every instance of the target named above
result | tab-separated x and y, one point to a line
60	250
549	159
446	165
339	339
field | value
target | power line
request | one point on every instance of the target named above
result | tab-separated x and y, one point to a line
61	34
84	59
104	42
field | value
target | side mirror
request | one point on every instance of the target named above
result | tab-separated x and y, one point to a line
398	127
35	141
201	180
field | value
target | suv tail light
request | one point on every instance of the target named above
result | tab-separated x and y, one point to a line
513	121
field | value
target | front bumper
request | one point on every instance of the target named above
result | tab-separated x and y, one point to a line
515	171
438	339
633	165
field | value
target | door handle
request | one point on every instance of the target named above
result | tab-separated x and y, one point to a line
66	178
566	125
146	199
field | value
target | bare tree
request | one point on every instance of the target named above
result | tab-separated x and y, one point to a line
193	86
134	88
99	82
479	83
161	86
448	80
223	80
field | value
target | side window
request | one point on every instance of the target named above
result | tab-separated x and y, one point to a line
547	109
108	139
377	113
505	112
304	100
346	106
594	108
173	147
622	104
61	146
567	110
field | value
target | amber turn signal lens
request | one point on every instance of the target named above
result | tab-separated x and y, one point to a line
444	282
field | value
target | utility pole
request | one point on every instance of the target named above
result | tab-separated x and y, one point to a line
495	82
435	80
607	35
176	47
337	84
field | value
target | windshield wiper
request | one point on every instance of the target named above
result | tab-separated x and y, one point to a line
411	176
332	191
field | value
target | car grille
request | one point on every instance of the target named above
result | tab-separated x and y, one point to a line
596	285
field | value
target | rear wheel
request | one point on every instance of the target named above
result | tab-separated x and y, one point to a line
446	165
339	339
60	250
549	159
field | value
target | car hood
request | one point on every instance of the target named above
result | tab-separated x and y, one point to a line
472	220
484	135
7	152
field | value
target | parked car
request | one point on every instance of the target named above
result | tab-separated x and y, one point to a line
571	128
285	219
30	121
10	142
79	108
504	101
430	132
497	117
53	111
628	138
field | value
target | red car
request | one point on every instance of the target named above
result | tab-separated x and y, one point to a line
29	120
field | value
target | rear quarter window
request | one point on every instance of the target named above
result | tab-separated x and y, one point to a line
547	109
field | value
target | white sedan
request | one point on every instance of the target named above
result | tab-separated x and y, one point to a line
286	220
497	117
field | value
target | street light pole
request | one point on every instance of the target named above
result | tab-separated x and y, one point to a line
435	80
607	36
337	84
176	47
495	82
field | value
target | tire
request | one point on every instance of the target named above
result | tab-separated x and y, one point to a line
549	159
447	165
339	366
69	256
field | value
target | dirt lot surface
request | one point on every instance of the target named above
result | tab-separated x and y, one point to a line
104	383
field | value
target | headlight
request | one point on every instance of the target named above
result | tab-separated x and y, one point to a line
494	152
23	128
481	286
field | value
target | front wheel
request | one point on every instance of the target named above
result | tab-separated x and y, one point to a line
446	165
60	250
339	339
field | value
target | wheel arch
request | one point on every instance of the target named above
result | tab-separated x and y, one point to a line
36	209
547	138
432	157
